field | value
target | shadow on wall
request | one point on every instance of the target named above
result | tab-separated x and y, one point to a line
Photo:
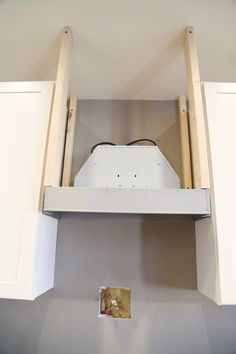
21	324
46	65
115	250
154	67
168	254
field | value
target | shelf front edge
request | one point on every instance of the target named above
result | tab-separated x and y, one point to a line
127	201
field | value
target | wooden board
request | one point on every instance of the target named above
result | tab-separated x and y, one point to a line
196	114
186	181
69	144
55	150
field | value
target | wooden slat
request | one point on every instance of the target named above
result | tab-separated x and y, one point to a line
196	114
185	144
55	150
70	134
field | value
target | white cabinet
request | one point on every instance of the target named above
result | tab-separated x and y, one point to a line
27	237
216	236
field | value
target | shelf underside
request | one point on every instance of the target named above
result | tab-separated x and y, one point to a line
195	202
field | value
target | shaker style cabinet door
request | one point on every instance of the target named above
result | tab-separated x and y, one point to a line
27	237
216	236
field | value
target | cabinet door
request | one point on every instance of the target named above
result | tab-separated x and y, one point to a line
216	236
24	115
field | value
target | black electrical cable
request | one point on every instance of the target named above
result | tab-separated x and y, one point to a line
137	141
131	143
103	143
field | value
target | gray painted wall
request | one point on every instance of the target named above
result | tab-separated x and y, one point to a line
154	257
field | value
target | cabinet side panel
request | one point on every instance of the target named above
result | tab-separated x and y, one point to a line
24	115
220	100
206	254
45	254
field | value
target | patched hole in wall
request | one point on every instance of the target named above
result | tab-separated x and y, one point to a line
114	302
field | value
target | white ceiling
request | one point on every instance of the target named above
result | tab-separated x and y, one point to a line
121	48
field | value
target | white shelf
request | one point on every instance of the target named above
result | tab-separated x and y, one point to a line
127	201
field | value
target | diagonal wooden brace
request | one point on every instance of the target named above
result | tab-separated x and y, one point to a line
185	144
69	143
196	114
56	138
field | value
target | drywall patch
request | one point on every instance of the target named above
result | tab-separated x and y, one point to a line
114	302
